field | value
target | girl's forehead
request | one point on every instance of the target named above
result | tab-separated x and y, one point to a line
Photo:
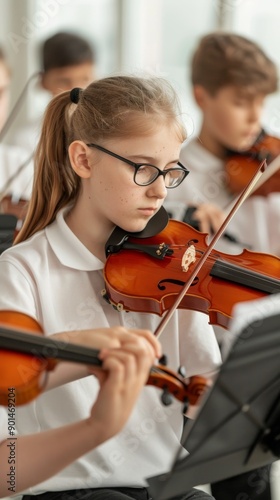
143	126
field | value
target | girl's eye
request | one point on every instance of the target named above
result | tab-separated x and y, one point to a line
143	168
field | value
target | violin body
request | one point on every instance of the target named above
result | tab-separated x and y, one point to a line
136	281
18	208
24	373
241	166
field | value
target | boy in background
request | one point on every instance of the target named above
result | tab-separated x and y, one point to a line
68	60
231	77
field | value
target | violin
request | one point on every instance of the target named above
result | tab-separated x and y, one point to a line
17	207
26	356
240	166
12	214
146	275
11	204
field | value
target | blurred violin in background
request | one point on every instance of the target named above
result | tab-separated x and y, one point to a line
13	209
240	166
14	206
12	214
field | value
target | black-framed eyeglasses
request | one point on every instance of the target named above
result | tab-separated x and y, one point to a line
146	174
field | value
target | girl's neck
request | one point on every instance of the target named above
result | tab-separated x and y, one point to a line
89	230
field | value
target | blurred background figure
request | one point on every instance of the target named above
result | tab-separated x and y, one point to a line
67	60
231	77
16	169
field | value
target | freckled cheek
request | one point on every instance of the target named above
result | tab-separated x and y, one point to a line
125	202
117	194
105	186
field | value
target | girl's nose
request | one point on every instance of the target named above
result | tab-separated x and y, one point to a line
157	188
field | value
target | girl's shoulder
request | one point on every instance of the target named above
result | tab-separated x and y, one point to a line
26	251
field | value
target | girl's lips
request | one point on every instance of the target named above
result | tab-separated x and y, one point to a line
148	210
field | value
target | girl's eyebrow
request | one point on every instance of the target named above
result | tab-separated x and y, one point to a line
149	159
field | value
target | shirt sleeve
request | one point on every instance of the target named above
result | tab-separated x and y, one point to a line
17	292
199	349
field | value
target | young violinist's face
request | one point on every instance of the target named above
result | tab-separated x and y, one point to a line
231	117
111	195
58	80
4	93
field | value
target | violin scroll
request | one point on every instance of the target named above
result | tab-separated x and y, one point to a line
173	384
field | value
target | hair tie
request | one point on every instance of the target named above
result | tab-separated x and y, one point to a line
75	95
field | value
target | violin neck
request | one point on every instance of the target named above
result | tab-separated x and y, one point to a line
246	277
46	347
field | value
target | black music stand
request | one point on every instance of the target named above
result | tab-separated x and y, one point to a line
237	428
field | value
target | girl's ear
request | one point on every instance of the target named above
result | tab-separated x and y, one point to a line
78	155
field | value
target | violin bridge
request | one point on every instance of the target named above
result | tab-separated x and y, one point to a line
188	258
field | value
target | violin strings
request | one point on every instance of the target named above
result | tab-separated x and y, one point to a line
24	342
243	271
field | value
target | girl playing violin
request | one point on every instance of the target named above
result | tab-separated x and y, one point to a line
106	157
127	356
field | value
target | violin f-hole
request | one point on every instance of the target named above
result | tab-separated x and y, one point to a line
161	285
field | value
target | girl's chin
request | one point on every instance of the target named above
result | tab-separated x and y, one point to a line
135	227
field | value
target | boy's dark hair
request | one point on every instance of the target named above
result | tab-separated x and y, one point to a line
223	59
66	49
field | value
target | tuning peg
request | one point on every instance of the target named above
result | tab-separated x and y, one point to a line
182	371
163	360
185	407
166	397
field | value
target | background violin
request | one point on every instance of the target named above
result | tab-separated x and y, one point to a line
240	166
27	356
13	206
12	215
147	274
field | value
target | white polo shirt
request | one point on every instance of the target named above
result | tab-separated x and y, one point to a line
256	224
55	279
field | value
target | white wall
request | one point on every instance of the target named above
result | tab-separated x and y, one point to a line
155	36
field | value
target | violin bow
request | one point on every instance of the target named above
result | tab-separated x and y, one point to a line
241	198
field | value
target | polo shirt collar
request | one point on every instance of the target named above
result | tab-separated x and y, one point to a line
69	250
